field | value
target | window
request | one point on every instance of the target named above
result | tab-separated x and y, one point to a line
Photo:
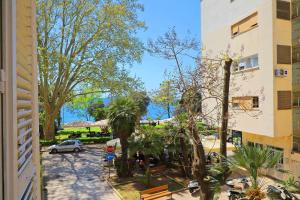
283	54
252	144
64	143
246	63
279	150
235	104
296	144
244	25
255	102
283	10
284	99
245	103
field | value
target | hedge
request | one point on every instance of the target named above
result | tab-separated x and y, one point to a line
92	140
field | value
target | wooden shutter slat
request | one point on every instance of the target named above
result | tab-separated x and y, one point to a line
23	113
25	123
283	54
25	162
24	84
284	100
23	134
24	104
283	10
22	72
24	147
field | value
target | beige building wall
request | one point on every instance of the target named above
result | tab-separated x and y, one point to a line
266	125
216	38
21	164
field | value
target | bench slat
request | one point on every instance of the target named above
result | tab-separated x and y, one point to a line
154	196
155	189
148	195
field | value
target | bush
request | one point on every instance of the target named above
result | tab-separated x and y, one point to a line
47	142
91	140
94	140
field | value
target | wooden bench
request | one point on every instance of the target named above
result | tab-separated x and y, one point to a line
158	169
155	193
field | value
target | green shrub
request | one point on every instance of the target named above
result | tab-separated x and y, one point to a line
47	142
67	131
94	140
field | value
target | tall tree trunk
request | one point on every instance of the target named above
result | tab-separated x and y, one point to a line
199	168
124	157
169	111
49	127
225	102
185	161
58	119
51	112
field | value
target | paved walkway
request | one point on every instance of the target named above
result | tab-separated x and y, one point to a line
71	176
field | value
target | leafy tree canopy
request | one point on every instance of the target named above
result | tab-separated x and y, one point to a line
166	97
84	44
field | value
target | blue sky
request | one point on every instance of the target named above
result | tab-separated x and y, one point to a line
160	15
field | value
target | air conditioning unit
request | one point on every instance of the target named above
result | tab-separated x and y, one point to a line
242	65
281	72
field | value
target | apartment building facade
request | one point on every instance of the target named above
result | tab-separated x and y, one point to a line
265	87
19	139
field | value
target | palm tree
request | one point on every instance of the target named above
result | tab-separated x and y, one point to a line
122	116
150	141
254	158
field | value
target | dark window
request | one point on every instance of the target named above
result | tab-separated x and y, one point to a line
255	102
284	99
251	144
278	150
296	143
283	10
283	54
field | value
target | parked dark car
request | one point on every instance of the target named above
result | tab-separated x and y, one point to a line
91	134
75	135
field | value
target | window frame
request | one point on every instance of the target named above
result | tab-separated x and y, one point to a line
280	99
236	26
237	101
280	163
281	49
236	68
255	104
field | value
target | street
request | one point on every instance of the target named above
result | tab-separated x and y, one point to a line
76	175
